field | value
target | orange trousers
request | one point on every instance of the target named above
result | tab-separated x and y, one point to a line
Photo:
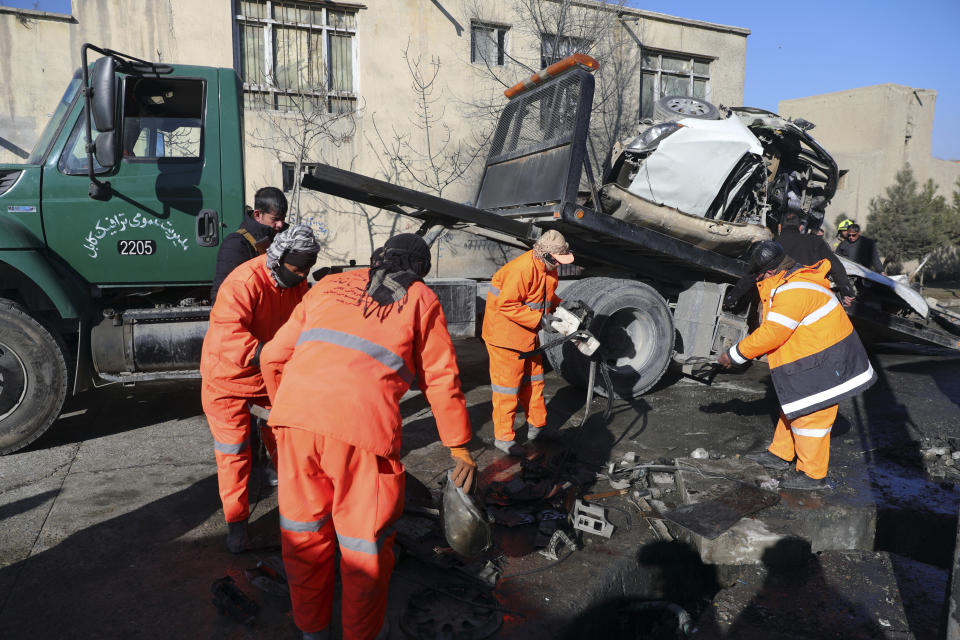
809	438
229	419
513	379
332	492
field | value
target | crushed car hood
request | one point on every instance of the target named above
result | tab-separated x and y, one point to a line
707	150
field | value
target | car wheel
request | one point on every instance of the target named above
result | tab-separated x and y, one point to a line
33	378
676	107
635	328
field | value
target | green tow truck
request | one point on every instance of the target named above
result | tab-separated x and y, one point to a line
109	234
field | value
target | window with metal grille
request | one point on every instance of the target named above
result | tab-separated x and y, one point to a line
297	55
673	74
488	44
554	48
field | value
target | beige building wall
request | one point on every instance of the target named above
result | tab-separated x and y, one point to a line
41	50
873	132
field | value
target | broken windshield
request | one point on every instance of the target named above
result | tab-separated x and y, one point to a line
46	138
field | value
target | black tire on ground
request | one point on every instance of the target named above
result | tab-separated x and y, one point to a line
676	107
635	328
33	378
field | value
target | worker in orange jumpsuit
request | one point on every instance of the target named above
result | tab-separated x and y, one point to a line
253	302
816	359
521	293
335	373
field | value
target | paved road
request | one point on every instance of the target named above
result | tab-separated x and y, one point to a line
110	524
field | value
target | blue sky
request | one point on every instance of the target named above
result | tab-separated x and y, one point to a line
799	49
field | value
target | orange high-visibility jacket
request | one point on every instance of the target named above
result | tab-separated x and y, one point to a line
248	311
521	293
816	358
341	364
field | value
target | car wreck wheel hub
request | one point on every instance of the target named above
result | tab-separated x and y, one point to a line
13	381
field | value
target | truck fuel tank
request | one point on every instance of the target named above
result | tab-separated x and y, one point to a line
149	340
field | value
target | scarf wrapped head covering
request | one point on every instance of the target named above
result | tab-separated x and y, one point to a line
297	245
401	261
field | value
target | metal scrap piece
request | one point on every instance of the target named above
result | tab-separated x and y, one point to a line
591	518
558	541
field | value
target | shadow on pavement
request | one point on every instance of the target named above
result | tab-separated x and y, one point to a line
138	575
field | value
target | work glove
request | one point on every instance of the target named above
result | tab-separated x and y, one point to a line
465	472
564	322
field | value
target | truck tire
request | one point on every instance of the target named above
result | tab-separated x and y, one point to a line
677	107
635	328
33	378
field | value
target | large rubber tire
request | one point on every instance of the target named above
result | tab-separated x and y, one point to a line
677	107
33	378
635	328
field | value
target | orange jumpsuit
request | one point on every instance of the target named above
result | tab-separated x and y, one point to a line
248	311
816	359
521	293
335	373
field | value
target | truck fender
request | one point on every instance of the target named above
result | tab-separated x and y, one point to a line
29	272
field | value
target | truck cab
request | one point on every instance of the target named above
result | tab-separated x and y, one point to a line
109	233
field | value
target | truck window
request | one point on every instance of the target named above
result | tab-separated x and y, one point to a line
53	125
73	160
162	119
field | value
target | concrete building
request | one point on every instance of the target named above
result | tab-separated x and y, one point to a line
373	83
873	132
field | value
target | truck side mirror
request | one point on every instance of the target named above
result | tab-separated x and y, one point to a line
105	149
104	97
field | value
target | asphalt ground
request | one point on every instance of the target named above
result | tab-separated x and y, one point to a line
110	525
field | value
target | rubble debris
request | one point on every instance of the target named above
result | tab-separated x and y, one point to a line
558	541
230	600
591	518
463	612
269	576
663	479
699	454
605	494
652	516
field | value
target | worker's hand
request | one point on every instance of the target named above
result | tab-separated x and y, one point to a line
465	472
724	360
846	300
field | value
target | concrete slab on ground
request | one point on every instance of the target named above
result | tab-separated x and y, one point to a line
825	519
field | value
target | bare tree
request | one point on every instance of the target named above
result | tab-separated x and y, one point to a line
303	133
433	159
545	31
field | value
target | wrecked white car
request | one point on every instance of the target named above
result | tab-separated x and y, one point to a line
719	178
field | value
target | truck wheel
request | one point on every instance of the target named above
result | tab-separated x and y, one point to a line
676	107
635	330
33	378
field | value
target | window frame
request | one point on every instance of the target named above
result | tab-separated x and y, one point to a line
161	159
503	57
659	72
552	36
286	166
269	24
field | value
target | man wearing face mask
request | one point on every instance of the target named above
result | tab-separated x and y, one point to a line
521	293
253	303
336	372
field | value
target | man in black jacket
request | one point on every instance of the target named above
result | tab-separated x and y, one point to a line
255	234
809	248
806	249
859	248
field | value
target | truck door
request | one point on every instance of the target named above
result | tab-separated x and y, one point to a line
168	175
